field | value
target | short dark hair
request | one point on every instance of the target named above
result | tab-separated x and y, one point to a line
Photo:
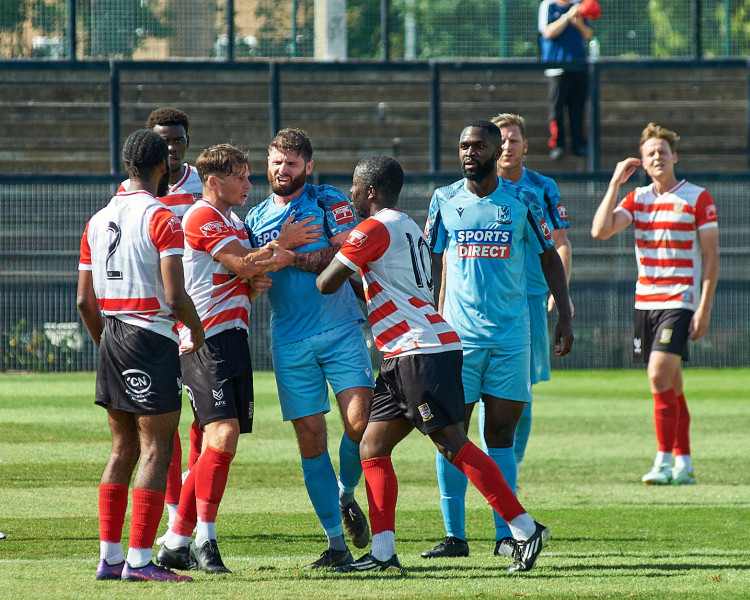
167	115
384	174
293	140
221	160
142	152
492	129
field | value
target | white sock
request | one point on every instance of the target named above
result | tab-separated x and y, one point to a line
111	552
522	527
663	458
383	545
683	461
203	532
171	513
173	540
139	557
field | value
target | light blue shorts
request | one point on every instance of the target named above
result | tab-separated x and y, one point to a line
540	367
497	372
304	369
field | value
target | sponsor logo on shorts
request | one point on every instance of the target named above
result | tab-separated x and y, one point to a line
342	213
219	397
251	410
179	386
214	228
138	384
637	346
666	336
190	396
424	410
503	215
356	238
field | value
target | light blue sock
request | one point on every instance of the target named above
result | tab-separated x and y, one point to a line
452	484
505	458
350	469
320	481
523	429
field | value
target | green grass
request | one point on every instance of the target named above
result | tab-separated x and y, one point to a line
592	440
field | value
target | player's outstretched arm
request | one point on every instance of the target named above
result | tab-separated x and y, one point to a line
333	277
179	302
314	262
88	307
554	274
235	257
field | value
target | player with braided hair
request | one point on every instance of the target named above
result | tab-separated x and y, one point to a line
130	297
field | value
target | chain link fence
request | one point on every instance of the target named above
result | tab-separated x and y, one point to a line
41	225
414	29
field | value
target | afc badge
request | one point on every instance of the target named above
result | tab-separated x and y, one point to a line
666	336
637	346
424	410
503	215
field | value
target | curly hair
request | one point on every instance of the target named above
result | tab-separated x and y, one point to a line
167	115
142	152
293	140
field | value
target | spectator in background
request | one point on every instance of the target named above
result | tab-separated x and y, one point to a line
564	34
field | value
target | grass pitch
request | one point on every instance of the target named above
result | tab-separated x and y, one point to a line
592	440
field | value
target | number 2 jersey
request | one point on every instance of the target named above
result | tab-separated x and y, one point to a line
486	243
122	246
392	255
221	297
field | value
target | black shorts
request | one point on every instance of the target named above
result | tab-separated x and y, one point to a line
661	331
425	389
138	370
219	380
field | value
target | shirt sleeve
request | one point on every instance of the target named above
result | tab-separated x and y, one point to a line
705	211
366	243
558	214
338	212
166	232
84	262
434	229
627	204
205	230
538	231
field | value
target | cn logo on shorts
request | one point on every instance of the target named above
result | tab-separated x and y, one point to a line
138	384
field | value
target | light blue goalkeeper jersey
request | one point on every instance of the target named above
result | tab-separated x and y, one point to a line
556	216
298	309
486	242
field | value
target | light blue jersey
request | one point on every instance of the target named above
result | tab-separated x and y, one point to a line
298	309
486	244
556	216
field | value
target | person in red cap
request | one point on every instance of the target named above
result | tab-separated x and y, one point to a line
564	32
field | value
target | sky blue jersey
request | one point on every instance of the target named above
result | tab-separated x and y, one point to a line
556	216
298	309
486	242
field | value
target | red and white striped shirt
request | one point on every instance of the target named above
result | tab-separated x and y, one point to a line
122	246
391	253
182	195
667	247
221	298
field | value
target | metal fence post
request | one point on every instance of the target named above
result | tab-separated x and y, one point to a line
594	117
385	50
697	38
434	117
114	117
230	30
274	98
72	31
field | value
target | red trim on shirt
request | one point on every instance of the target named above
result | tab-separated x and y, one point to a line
129	304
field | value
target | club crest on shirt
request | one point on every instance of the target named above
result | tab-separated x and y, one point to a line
356	238
666	336
503	215
424	410
214	228
637	346
342	213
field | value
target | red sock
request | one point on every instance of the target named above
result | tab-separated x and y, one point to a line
682	431
113	502
212	471
196	442
382	493
174	475
665	419
487	478
187	516
147	508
